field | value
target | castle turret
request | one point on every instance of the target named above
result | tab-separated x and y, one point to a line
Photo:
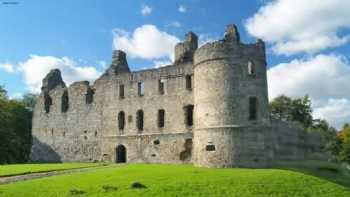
231	103
119	63
184	50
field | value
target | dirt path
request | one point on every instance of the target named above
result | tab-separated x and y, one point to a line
36	175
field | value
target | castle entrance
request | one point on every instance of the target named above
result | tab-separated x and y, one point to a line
120	154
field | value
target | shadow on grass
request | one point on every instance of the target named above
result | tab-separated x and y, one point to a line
109	188
325	170
76	192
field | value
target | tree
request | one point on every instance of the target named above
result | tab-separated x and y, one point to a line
299	109
15	129
3	93
29	101
344	138
345	152
328	134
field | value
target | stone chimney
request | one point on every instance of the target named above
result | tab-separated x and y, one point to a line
52	80
231	33
119	63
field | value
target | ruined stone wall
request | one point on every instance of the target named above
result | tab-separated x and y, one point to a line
292	142
175	97
288	140
74	135
89	132
152	148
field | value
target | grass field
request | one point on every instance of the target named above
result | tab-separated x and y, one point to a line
177	180
16	169
325	170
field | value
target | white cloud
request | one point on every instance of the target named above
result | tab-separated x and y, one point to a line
176	24
325	78
322	76
336	111
146	10
182	9
205	38
294	26
36	67
7	67
161	63
146	42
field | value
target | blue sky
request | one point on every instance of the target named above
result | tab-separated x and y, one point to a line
307	42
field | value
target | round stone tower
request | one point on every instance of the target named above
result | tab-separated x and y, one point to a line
231	104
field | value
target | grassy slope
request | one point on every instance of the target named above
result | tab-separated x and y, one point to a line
325	170
15	169
178	180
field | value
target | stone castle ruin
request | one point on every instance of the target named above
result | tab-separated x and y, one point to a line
209	108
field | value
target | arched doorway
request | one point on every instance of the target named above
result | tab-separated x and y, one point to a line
120	154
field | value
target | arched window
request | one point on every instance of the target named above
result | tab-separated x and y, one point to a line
121	120
189	115
251	68
161	118
65	101
139	120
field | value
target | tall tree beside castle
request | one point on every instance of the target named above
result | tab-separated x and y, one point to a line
15	129
344	139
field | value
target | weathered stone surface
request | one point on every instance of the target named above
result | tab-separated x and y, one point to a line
119	63
231	33
80	122
184	50
52	80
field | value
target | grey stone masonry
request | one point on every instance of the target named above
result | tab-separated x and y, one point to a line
210	108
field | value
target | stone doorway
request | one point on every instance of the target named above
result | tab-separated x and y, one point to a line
120	154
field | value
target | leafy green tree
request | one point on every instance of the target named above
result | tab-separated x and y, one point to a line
29	101
3	93
289	109
15	130
299	110
329	135
344	137
345	152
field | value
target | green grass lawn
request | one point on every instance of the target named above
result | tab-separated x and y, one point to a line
177	180
329	171
16	169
